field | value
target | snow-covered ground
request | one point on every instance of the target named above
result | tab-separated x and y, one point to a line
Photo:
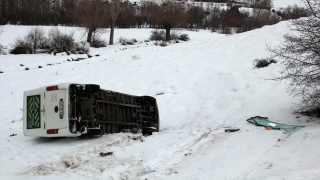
209	84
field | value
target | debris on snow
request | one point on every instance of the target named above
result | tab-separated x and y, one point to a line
231	130
102	154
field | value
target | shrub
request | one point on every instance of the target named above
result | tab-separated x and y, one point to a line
31	43
174	35
313	111
97	43
124	41
260	63
81	48
163	43
20	50
160	35
21	46
130	43
157	35
60	42
133	41
184	37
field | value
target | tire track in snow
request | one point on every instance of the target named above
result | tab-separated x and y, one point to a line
245	173
186	147
85	158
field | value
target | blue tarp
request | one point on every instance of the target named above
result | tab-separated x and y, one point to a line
263	121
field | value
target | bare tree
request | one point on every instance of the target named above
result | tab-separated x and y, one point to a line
56	7
36	37
169	14
300	55
31	12
115	10
65	15
213	19
91	14
127	15
197	16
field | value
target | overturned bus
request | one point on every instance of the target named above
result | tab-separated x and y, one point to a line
70	110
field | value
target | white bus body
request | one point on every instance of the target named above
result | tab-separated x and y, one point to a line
70	110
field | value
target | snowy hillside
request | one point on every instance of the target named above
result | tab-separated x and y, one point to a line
203	87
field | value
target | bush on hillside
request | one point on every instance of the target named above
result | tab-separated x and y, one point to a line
260	63
184	37
60	42
313	111
81	48
20	50
21	47
35	42
163	43
124	41
31	43
97	43
174	35
160	35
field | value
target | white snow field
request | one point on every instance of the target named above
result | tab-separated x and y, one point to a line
208	84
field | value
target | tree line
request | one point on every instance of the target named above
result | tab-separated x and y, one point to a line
95	14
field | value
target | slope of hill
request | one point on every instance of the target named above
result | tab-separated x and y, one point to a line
208	84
